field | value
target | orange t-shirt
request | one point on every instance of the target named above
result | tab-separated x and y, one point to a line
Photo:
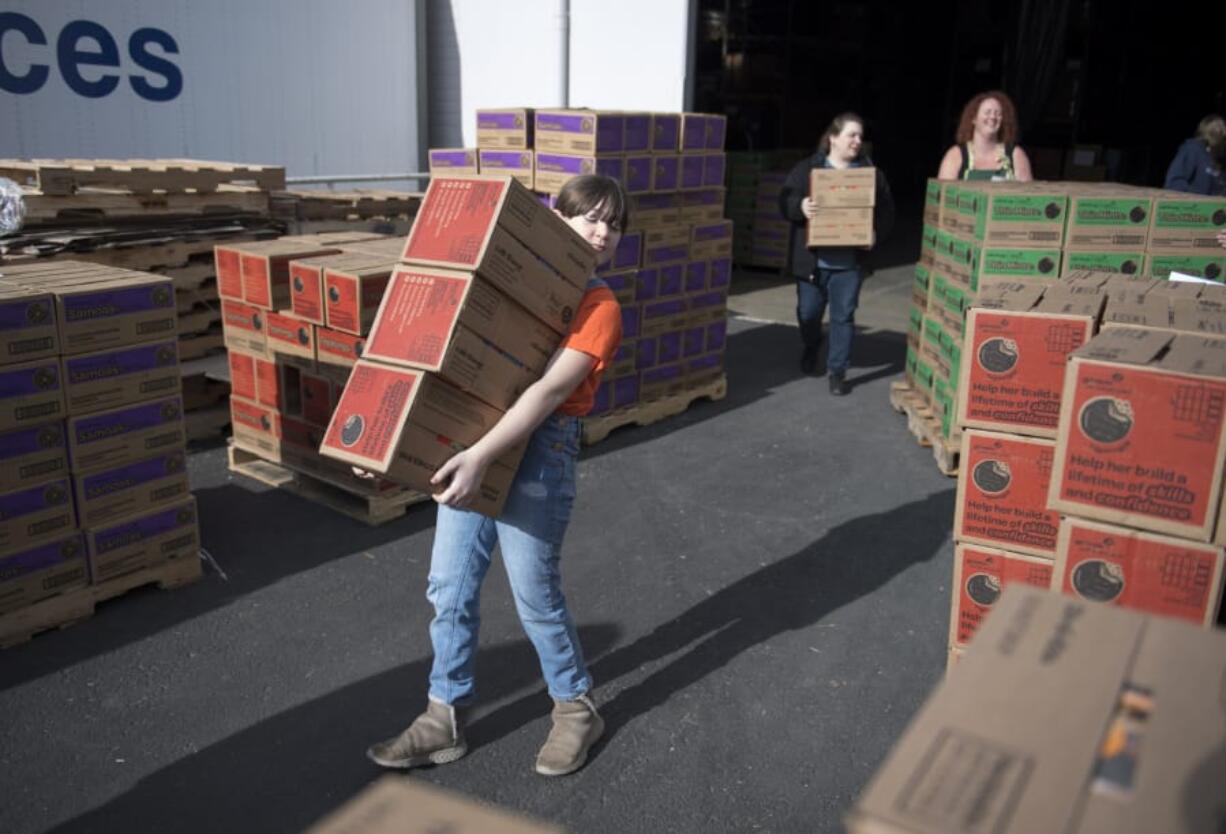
597	331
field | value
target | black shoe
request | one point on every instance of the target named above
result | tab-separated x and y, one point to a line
839	386
808	360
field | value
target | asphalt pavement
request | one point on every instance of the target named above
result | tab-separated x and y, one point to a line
761	585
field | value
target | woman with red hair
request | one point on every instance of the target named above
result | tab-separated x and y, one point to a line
986	143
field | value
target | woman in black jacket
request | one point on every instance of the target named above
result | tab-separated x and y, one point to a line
830	275
1197	167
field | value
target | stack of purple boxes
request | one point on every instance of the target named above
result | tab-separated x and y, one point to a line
672	270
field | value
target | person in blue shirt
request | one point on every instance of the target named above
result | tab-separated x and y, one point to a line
830	275
1197	166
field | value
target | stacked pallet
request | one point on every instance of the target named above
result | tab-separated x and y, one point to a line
1092	464
95	488
161	216
380	211
297	311
976	234
755	179
671	272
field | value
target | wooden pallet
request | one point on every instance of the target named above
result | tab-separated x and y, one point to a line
200	319
138	176
160	247
345	205
102	206
596	429
198	345
354	497
924	426
73	606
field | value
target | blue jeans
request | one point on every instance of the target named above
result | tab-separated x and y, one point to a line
841	289
530	531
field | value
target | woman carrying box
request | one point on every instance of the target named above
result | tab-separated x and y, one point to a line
531	526
830	275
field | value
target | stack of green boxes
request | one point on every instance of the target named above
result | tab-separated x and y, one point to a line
977	233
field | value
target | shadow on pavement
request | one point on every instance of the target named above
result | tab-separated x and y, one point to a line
258	538
286	772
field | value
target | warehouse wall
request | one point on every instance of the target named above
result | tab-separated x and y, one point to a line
322	87
632	54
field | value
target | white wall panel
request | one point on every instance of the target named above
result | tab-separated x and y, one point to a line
321	87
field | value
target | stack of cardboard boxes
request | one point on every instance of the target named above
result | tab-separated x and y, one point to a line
672	270
488	283
1092	464
977	233
297	312
94	478
761	234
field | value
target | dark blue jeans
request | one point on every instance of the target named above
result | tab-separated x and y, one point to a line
840	288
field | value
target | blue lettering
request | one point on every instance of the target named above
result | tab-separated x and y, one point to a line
71	58
36	76
138	48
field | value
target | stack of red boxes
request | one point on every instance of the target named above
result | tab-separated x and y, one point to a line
94	478
488	284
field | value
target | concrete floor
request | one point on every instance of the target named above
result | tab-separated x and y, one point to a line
761	585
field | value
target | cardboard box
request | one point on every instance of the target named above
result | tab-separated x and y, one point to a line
711	240
131	487
242	328
1142	435
841	227
665	133
695	277
111	378
318	393
129	310
653	211
144	540
631	319
28	328
623	362
451	161
662	381
693	172
980	576
843	187
32	455
1019	340
111	438
353	294
256	428
1123	262
666	173
35	513
31	393
1015	264
1204	264
705	206
580	131
647	284
1062	716
693	131
228	264
717	131
920	287
405	423
714	170
720	275
510	128
242	374
463	328
1182	222
932	202
666	245
397	806
290	340
1146	572
42	571
1002	494
332	347
672	280
636	138
1012	217
307	284
707	307
694	341
662	316
513	163
1115	222
636	173
496	227
553	170
266	271
928	246
704	370
269	384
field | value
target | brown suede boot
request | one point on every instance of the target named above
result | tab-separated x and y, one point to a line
576	727
435	737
